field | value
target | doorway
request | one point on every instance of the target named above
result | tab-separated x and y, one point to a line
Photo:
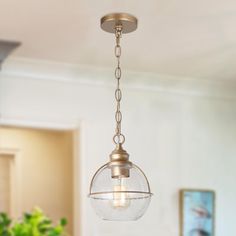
41	170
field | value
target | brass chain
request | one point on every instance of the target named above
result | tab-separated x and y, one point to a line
118	138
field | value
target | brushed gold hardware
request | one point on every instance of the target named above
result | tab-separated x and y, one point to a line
128	22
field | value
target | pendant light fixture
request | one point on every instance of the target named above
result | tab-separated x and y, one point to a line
119	190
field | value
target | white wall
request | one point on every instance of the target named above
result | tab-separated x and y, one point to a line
181	132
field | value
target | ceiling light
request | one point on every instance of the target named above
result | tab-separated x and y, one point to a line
119	190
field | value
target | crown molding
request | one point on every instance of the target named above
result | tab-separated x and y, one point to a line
97	76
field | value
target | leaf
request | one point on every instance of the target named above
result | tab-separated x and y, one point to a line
63	221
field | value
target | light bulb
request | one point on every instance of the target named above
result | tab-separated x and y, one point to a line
120	197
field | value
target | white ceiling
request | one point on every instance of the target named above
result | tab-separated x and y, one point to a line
175	37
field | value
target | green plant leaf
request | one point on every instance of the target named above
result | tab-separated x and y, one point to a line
63	222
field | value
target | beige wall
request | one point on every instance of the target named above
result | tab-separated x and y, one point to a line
46	163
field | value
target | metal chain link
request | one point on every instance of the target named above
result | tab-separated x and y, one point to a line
118	138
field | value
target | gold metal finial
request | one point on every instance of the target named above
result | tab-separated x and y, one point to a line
128	22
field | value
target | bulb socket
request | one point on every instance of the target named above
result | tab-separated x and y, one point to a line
119	163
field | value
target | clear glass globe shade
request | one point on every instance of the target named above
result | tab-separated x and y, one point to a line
120	199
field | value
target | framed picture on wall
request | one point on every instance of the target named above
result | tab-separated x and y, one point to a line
197	212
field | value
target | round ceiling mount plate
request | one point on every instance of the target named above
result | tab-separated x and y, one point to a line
128	22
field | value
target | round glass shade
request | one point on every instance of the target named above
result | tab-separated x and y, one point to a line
121	198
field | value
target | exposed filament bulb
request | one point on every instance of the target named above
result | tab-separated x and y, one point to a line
120	197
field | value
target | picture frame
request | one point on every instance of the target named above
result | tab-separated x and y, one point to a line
197	212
